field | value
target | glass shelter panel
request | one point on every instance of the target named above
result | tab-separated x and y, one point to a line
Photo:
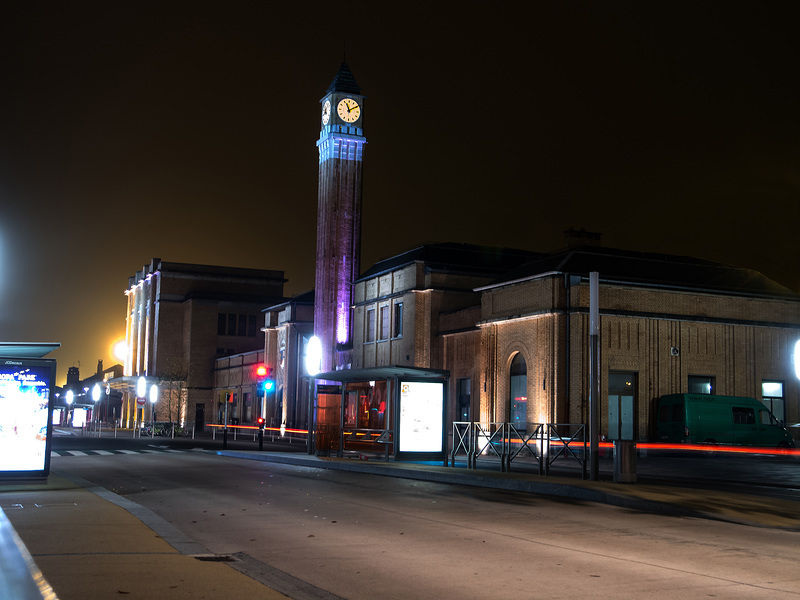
366	405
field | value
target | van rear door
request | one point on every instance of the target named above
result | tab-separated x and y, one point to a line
671	419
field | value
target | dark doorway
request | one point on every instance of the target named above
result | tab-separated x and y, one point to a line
199	417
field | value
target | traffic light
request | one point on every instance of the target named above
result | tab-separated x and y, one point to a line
264	381
261	422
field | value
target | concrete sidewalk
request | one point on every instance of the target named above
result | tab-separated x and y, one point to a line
90	543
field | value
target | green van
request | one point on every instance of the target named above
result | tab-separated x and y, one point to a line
698	418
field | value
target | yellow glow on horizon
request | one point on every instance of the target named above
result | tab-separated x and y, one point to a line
120	350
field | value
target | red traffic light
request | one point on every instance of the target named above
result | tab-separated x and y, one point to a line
261	421
262	370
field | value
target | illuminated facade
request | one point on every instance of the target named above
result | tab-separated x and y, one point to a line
667	325
180	318
515	344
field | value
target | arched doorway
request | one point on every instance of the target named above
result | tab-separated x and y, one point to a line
518	393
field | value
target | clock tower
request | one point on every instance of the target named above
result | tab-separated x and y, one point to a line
341	146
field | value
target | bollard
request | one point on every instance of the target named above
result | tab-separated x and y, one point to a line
624	461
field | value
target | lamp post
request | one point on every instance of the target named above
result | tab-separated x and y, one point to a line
797	359
141	392
153	400
84	424
70	398
95	398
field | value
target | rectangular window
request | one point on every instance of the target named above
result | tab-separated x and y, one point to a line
248	408
398	319
242	325
222	321
252	326
701	384
370	325
463	398
384	331
772	397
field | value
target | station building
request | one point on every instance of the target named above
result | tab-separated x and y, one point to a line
503	332
508	332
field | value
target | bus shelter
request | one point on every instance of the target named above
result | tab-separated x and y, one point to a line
27	396
389	411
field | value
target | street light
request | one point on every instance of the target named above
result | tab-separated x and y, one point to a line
797	359
141	392
153	400
95	398
70	398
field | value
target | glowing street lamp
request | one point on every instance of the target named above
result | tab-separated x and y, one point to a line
797	359
70	399
95	398
313	356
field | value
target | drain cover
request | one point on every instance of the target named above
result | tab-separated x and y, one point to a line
215	557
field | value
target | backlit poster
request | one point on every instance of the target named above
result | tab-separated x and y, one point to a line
421	423
25	408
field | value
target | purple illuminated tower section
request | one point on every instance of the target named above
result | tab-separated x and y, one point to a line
341	145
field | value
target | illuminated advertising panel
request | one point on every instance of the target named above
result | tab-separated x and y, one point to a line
26	389
421	418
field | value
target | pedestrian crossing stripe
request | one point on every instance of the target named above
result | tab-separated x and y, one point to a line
58	453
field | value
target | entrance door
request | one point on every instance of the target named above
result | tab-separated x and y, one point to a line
199	417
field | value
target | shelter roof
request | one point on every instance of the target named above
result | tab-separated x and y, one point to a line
27	349
380	373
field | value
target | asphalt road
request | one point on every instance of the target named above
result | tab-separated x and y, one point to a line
364	536
766	475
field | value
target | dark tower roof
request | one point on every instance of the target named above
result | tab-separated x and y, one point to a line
344	82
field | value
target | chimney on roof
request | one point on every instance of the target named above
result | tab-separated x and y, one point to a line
100	366
575	238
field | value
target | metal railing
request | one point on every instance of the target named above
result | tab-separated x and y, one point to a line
542	442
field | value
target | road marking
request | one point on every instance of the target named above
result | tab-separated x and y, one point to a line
55	453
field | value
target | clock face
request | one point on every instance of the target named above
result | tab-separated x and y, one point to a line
349	110
326	112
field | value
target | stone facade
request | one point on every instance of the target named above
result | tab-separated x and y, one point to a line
180	318
660	335
683	319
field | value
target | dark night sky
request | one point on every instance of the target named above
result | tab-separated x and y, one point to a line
187	132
